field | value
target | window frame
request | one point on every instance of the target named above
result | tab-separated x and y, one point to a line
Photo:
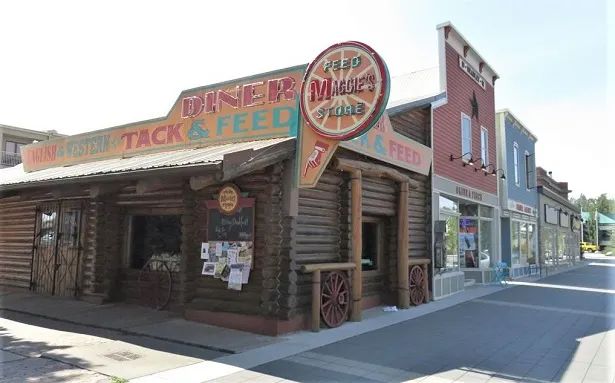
527	170
484	151
516	163
465	116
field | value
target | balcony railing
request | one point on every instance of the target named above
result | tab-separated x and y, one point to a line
10	159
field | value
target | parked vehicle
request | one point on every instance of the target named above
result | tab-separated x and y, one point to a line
588	247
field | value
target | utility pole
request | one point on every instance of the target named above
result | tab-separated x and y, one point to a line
596	222
582	239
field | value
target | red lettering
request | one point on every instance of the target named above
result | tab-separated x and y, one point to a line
229	99
173	134
210	102
192	106
128	137
320	90
250	96
281	87
143	139
156	135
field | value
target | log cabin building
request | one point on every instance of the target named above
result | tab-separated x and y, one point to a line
134	213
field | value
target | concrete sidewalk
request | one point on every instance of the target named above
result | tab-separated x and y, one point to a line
134	320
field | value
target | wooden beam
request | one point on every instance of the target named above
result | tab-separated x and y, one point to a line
99	190
375	170
328	266
200	182
316	301
403	286
357	244
148	185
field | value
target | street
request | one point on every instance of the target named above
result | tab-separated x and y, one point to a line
560	328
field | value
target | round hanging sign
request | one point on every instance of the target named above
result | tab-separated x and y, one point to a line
228	199
345	91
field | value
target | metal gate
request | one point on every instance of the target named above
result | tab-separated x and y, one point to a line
57	248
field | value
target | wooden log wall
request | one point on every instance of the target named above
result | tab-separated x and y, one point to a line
17	226
17	218
262	294
323	224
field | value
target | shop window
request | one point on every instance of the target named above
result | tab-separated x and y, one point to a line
372	244
523	244
451	240
531	240
156	236
484	146
468	242
448	205
485	256
486	211
515	246
468	209
466	137
516	162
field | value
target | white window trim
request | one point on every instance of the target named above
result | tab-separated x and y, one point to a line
527	170
486	158
463	115
516	163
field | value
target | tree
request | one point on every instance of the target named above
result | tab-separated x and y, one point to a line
602	204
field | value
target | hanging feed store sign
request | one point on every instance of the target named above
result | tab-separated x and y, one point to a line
343	94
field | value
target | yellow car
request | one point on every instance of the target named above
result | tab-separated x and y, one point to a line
588	247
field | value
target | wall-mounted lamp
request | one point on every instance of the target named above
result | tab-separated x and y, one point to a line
494	172
470	161
482	166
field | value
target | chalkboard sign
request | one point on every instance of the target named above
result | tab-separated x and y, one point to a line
238	226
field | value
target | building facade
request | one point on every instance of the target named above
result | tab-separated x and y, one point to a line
202	211
559	223
12	139
518	197
464	196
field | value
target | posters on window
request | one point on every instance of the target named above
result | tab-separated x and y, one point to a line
228	261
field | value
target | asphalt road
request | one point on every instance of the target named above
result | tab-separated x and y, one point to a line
560	329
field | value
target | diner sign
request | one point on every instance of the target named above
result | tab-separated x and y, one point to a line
521	207
258	107
384	144
343	94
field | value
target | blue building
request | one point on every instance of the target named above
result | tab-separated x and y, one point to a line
517	194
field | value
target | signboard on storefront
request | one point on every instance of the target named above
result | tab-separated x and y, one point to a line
259	107
521	208
343	94
473	73
383	143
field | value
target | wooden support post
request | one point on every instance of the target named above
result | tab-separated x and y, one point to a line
403	296
316	300
357	245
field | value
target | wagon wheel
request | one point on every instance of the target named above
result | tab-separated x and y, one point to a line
334	299
417	280
155	284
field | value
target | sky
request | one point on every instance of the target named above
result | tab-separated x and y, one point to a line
80	66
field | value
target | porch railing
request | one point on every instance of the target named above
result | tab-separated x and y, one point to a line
10	159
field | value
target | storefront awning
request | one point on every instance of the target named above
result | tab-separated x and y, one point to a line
244	155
